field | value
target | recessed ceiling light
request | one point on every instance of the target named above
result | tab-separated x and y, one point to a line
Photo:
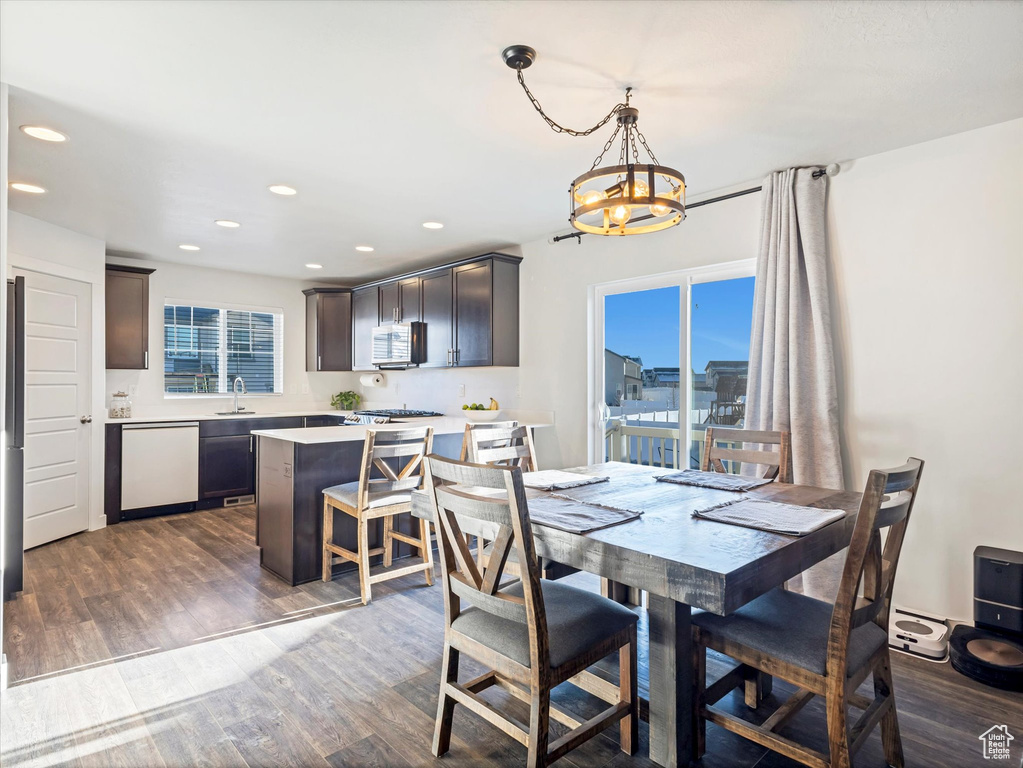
23	187
364	248
314	266
433	225
45	134
189	247
282	189
227	223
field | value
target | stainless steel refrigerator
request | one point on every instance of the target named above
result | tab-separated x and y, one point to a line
14	441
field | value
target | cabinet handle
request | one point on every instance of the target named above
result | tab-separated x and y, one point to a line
458	357
319	362
146	366
250	443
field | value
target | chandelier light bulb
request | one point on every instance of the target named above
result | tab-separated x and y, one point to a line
593	196
658	209
620	214
640	188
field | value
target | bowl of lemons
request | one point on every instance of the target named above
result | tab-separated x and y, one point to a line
480	412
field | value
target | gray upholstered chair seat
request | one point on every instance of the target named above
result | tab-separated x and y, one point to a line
577	620
348	493
793	628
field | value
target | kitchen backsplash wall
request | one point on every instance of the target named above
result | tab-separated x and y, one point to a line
438	388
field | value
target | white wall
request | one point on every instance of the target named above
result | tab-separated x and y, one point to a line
37	246
302	390
926	247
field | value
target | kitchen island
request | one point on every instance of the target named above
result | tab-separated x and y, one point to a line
295	465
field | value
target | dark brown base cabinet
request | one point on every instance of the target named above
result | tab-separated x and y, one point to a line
227	466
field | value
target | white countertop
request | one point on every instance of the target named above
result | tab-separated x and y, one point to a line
218	417
442	425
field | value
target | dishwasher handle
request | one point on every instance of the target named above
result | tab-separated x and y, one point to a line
165	425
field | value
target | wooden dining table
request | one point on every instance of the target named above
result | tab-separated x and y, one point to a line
683	563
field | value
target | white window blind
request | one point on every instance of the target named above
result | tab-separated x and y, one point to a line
207	348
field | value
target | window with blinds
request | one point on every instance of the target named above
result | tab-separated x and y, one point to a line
207	348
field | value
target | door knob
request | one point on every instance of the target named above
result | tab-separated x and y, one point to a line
86	419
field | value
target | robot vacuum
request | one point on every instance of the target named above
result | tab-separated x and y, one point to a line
991	658
918	635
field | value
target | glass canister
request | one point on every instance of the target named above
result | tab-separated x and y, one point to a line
120	406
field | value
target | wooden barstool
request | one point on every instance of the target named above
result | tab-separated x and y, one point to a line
371	498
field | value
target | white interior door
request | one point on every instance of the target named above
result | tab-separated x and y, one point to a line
58	406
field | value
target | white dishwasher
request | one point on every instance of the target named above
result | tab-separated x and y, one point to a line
159	464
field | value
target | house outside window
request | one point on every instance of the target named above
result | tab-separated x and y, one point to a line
207	348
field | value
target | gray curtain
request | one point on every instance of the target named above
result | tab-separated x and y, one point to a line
792	363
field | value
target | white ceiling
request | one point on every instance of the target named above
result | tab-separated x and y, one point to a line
387	114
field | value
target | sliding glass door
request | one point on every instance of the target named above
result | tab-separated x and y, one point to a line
720	317
670	357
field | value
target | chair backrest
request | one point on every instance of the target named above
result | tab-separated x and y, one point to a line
477	495
510	447
475	428
887	503
778	463
397	456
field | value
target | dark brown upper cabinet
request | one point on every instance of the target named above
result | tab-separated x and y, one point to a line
470	308
328	329
485	319
399	301
127	316
438	311
365	317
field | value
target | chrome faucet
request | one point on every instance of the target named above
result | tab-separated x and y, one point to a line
238	380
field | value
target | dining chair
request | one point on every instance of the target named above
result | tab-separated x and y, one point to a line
468	444
533	634
779	464
504	446
823	650
500	441
384	496
478	427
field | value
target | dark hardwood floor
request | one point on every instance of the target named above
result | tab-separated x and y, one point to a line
162	642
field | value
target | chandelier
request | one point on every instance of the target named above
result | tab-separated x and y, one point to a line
630	198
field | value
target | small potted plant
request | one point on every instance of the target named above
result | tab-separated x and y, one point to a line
345	401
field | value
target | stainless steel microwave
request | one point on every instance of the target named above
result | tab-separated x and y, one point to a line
399	344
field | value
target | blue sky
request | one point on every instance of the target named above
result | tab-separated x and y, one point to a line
646	323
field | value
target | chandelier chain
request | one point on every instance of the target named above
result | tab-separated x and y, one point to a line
642	140
607	146
556	127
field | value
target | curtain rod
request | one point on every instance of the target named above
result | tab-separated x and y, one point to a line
831	170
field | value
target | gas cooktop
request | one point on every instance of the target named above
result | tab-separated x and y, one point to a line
398	413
